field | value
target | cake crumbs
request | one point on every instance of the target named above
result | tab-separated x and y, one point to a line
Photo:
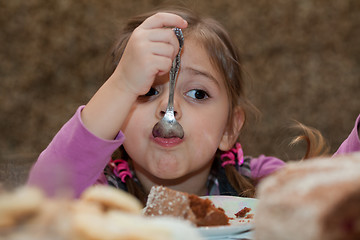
243	212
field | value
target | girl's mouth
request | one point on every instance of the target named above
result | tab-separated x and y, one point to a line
168	142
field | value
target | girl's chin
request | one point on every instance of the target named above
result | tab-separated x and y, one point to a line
168	173
167	164
166	179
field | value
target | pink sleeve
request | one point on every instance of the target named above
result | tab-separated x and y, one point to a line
352	143
264	165
74	160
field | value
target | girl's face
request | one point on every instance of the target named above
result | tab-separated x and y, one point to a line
201	107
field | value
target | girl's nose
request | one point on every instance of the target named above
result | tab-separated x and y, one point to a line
163	105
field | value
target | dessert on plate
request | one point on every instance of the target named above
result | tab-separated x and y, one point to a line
163	201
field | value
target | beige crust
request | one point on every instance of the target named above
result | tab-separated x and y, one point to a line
295	202
115	225
112	198
19	204
27	215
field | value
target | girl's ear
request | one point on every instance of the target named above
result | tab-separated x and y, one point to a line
230	135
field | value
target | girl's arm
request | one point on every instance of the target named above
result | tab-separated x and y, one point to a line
79	152
74	159
263	166
352	143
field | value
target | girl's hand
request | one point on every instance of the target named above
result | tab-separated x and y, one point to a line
149	52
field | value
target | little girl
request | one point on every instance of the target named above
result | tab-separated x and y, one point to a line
110	140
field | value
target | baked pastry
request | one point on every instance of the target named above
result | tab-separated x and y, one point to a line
164	201
111	198
26	214
312	199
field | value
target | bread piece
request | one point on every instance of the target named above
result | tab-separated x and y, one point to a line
93	217
19	204
313	199
112	198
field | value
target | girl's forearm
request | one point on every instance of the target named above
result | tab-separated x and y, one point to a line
107	110
74	160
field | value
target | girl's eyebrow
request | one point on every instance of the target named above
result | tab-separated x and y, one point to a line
201	73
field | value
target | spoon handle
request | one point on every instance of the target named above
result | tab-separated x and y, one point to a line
174	70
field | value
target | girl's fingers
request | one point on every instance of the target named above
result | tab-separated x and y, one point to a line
163	64
160	20
152	47
164	35
159	57
163	49
159	34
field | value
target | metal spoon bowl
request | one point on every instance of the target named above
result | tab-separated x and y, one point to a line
168	127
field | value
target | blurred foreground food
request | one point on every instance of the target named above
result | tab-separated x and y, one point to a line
102	212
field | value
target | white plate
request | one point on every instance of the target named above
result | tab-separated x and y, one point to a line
231	205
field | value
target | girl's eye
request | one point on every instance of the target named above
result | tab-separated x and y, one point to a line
197	94
149	95
151	92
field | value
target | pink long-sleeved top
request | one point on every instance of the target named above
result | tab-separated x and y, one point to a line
75	158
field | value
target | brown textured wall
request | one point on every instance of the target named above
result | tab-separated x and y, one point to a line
301	57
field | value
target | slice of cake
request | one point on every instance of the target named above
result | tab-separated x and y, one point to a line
201	212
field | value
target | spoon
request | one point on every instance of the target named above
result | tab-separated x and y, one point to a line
168	127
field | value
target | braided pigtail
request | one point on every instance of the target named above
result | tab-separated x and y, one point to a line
235	169
121	166
243	185
135	188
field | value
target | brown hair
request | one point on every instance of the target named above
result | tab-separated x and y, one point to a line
316	144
